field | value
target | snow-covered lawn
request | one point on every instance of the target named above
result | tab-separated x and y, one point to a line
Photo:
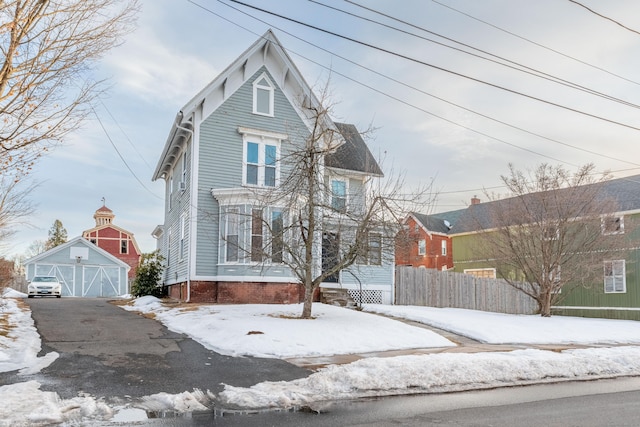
268	330
275	331
496	328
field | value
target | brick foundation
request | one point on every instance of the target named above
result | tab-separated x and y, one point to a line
239	292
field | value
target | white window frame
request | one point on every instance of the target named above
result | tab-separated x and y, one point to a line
184	167
422	247
617	279
170	190
262	138
269	88
183	232
477	272
606	230
443	245
335	197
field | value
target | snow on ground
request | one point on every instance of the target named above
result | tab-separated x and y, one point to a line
269	330
273	331
496	328
19	339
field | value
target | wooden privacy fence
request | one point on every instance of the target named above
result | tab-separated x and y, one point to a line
434	288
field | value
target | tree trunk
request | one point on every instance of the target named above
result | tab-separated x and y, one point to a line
545	303
308	301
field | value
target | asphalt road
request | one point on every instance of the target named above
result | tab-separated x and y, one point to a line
614	403
110	352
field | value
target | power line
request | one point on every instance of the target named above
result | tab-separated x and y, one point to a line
605	17
455	73
233	22
372	88
523	68
121	156
423	92
536	43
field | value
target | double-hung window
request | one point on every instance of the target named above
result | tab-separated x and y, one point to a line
232	234
371	251
183	232
613	225
614	276
261	157
443	244
422	247
277	236
256	235
339	195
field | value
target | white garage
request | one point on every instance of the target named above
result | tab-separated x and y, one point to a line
84	269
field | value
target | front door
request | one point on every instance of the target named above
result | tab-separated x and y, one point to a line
330	253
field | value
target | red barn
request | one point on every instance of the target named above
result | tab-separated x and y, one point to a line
113	239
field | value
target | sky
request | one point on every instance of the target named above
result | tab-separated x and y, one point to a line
607	349
439	115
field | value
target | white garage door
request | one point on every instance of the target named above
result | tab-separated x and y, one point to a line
100	281
64	273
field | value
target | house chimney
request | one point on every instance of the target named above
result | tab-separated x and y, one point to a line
475	200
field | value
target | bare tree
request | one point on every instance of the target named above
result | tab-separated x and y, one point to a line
318	229
47	47
552	234
15	207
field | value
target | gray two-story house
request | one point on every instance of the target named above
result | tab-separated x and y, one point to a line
225	148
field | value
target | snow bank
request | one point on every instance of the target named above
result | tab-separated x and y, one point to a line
435	373
19	340
12	293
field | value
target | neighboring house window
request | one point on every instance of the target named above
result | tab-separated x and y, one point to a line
339	195
444	247
550	232
256	235
489	273
422	247
123	246
613	225
263	94
277	236
261	163
232	237
614	276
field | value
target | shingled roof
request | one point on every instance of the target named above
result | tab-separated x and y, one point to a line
353	155
623	192
439	223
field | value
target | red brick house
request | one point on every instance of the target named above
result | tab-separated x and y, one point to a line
113	239
424	242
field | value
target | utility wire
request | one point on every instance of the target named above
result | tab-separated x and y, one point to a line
605	17
233	22
375	89
516	65
535	43
121	156
455	73
425	93
414	88
125	134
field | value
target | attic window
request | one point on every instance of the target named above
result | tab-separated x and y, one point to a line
263	96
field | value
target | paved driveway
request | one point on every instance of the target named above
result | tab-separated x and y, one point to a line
107	351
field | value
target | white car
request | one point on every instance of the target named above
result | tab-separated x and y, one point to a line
44	286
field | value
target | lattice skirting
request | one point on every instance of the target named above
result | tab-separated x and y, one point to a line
369	296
